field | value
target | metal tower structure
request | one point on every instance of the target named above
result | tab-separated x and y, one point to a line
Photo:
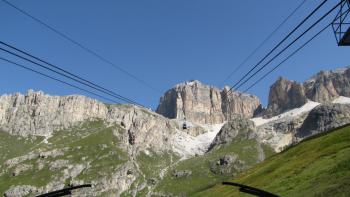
341	24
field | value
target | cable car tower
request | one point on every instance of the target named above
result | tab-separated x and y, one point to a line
341	24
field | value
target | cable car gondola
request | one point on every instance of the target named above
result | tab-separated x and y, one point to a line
184	125
341	24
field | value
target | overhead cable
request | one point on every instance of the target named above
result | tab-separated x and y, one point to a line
279	44
83	47
263	42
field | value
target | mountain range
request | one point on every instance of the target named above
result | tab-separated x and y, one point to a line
51	142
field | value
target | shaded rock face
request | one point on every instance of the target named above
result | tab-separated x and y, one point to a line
36	113
324	118
328	85
285	95
239	128
204	104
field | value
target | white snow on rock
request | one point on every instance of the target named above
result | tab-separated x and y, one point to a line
342	100
291	113
188	146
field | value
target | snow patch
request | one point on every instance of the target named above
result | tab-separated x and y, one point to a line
291	113
188	146
342	100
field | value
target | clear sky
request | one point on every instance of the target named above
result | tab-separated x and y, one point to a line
164	42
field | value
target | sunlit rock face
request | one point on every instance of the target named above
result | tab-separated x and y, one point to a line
39	114
285	95
205	104
325	86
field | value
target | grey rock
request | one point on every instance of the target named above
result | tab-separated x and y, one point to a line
236	104
239	128
181	173
58	164
324	118
328	85
21	168
52	153
14	161
205	104
324	87
285	95
20	190
227	165
39	114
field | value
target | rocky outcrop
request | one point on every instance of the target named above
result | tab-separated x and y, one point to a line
39	114
324	118
227	165
279	133
204	104
181	173
285	95
144	129
324	87
328	85
21	190
239	128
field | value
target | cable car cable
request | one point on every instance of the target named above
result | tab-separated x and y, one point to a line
263	42
56	79
280	43
261	78
289	45
115	95
280	64
64	71
84	47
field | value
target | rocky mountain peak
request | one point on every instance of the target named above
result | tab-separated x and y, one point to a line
328	85
205	104
323	87
285	94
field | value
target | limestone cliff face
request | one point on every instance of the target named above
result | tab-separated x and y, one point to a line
238	104
284	95
204	104
37	113
324	87
328	85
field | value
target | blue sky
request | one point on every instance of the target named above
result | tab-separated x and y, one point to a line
163	42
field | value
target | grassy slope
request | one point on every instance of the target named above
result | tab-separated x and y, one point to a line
201	176
14	146
316	167
96	143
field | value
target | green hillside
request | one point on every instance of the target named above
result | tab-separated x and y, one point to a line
316	167
92	143
204	171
